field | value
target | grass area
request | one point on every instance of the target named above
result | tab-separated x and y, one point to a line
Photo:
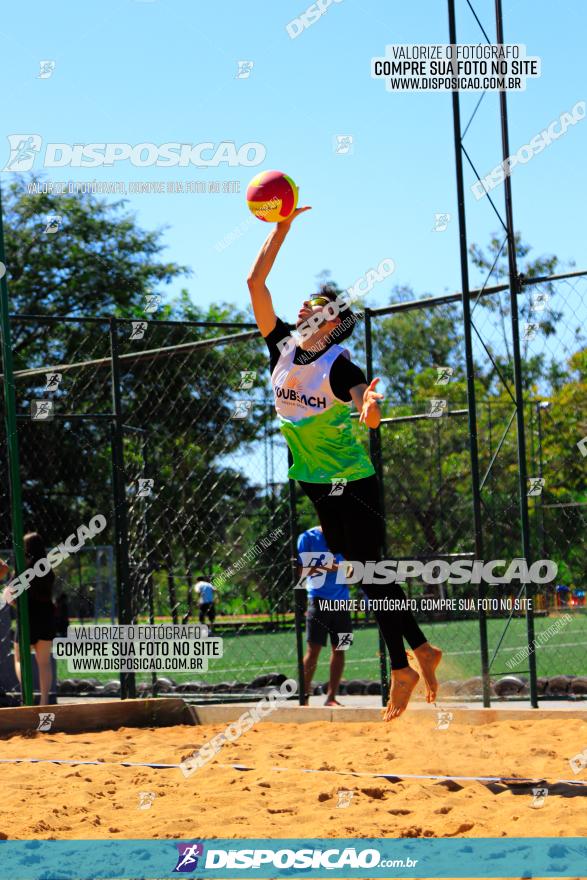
248	655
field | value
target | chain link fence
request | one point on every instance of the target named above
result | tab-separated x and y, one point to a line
206	482
168	430
417	347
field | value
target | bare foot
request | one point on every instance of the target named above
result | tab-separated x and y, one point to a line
429	657
403	682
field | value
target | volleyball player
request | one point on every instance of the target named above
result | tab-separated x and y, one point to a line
314	384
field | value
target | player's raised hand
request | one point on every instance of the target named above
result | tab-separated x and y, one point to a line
285	224
370	408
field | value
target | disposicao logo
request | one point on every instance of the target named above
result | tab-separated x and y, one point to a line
188	855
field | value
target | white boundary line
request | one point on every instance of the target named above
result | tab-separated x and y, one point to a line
395	777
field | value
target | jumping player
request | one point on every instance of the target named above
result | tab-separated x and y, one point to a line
314	384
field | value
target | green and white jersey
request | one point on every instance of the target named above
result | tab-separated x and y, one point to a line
315	423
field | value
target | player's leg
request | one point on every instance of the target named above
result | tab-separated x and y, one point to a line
352	526
364	539
317	632
327	510
43	655
310	663
364	533
17	662
335	676
336	667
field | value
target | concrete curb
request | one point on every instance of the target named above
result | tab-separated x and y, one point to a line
309	714
105	715
168	712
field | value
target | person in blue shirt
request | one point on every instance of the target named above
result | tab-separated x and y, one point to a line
206	593
326	616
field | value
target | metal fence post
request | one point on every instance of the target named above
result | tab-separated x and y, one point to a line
127	679
540	405
471	398
149	549
376	455
298	606
26	667
515	288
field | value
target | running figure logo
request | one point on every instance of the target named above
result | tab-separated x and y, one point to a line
41	410
344	642
23	149
314	563
53	224
437	408
443	375
578	762
242	409
338	484
535	486
53	381
47	68
530	331
343	144
244	69
539	302
540	795
46	720
441	222
443	719
152	302
344	798
146	799
187	860
247	380
145	487
139	329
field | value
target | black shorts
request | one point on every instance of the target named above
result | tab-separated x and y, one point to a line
208	610
352	522
354	526
41	622
322	624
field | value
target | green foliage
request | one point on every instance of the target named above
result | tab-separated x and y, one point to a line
426	461
211	504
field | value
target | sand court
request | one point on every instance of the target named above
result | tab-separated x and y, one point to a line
108	800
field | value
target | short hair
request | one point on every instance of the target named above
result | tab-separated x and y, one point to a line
34	547
347	316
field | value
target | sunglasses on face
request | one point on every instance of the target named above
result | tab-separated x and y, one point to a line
318	301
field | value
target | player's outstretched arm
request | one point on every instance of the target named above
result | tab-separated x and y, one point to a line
260	296
366	399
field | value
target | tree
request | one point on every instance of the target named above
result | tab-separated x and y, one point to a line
101	264
493	264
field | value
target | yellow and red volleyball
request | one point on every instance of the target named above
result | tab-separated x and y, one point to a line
272	196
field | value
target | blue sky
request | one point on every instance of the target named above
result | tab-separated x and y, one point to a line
161	71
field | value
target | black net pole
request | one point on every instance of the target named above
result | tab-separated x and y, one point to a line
515	288
299	610
375	449
541	530
471	398
123	597
12	452
148	550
